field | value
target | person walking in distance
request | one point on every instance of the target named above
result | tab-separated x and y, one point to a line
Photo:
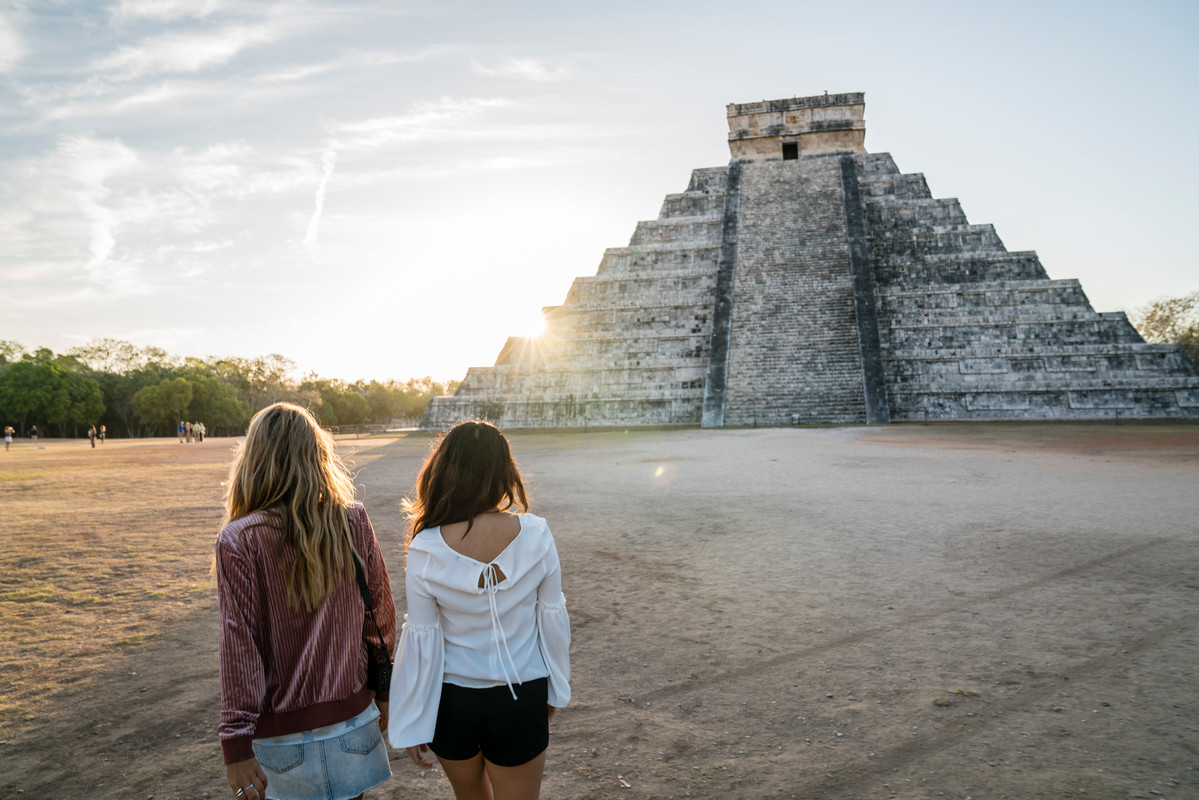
303	705
483	661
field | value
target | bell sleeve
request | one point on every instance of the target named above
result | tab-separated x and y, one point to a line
419	663
553	630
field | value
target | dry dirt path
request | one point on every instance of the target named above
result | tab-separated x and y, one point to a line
980	611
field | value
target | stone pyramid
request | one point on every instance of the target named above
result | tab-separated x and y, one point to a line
809	281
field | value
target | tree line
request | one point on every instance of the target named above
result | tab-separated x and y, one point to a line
145	391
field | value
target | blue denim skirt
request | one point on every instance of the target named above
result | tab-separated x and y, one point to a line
336	762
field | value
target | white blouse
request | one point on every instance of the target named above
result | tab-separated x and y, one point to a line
502	633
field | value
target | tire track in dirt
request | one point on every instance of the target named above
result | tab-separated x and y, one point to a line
766	665
860	777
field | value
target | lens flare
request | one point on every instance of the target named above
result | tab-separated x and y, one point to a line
662	475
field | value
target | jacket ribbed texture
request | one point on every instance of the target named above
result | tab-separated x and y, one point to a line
286	669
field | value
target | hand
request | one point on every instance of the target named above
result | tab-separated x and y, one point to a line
382	706
549	712
417	754
248	777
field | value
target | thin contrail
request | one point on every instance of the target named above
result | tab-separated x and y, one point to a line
328	161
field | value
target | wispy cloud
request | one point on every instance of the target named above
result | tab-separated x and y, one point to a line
11	46
85	165
527	69
104	213
182	52
106	100
354	61
426	120
165	9
117	94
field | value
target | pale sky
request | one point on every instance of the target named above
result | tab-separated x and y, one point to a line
390	189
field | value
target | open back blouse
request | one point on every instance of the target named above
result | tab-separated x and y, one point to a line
478	625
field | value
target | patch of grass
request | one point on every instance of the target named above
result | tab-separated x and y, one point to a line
32	594
81	599
82	580
950	697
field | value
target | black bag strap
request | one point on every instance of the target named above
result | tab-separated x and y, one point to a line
378	670
362	587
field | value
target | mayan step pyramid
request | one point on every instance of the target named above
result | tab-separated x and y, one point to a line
809	282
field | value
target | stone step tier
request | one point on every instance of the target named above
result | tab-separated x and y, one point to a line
628	345
969	330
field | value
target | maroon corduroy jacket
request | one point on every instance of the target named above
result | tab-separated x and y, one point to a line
285	669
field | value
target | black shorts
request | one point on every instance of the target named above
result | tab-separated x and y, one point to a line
508	732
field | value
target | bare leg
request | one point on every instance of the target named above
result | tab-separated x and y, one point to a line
467	778
517	783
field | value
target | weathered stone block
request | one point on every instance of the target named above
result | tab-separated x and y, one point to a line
802	284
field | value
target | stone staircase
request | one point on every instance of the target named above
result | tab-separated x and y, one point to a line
971	330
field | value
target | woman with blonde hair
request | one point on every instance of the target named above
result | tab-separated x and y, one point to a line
295	564
484	659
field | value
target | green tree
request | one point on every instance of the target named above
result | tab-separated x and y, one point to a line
1172	319
216	404
39	390
118	356
25	392
121	369
10	351
351	407
165	403
416	393
86	399
383	402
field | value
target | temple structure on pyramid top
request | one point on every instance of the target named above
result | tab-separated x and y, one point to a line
809	281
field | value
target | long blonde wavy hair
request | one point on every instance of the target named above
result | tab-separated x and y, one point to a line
289	462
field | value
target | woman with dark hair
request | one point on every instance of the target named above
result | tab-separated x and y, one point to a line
483	660
294	564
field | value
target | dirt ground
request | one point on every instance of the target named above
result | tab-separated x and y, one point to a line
959	611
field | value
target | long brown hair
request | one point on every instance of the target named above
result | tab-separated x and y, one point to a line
469	472
288	462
